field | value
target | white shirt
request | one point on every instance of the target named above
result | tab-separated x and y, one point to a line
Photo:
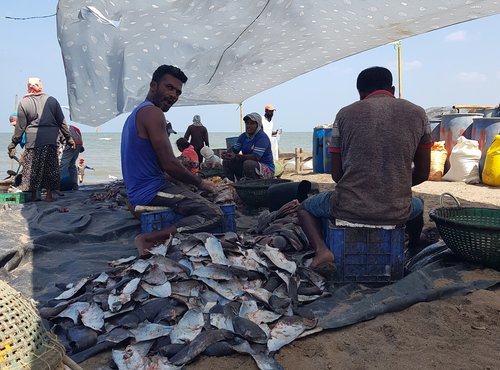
267	126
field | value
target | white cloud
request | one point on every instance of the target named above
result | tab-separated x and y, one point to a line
456	36
413	65
498	75
471	77
407	66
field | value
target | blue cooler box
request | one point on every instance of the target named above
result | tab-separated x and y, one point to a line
367	255
151	221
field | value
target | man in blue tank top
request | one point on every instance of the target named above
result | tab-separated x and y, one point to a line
148	162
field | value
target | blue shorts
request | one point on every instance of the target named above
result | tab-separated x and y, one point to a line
319	205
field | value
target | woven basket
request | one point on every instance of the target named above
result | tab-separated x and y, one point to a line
24	342
471	233
254	192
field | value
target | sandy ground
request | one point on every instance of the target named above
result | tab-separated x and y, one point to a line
454	333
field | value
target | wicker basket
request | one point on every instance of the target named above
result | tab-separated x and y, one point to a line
471	233
254	192
24	342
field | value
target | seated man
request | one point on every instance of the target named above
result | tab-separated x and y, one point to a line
147	158
375	141
256	158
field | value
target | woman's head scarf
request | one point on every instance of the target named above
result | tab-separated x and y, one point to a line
34	86
256	117
197	120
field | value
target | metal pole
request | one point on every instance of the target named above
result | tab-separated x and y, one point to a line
400	72
241	117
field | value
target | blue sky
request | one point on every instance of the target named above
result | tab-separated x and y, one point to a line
457	65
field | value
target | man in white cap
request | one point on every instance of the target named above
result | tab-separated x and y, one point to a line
267	127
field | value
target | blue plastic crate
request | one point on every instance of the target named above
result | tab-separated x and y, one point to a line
151	221
367	255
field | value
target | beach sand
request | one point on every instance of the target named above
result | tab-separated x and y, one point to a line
454	333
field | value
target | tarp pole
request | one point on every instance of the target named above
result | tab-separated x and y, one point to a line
241	117
400	72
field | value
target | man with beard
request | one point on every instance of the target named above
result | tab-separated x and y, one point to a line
149	164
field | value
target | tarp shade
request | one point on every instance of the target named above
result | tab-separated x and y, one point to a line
229	49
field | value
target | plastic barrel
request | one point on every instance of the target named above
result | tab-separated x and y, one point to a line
230	141
327	143
484	130
318	134
435	127
454	125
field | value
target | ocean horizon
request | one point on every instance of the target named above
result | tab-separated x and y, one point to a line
102	151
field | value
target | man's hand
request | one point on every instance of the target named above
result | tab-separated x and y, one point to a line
71	143
228	155
208	186
11	150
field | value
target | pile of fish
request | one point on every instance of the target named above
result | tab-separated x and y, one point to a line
195	294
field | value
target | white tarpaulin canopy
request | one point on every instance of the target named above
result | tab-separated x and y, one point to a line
229	49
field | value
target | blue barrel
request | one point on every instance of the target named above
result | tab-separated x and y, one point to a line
230	141
435	127
318	134
484	130
454	125
327	143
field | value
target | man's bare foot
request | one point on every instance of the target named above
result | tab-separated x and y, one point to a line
143	244
321	257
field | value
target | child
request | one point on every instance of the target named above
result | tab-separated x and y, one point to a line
81	169
211	160
188	157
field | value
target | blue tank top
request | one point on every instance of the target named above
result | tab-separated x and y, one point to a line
141	170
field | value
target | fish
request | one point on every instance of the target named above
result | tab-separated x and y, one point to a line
140	266
72	291
215	272
147	331
188	327
73	311
249	330
286	330
93	317
199	345
279	259
164	290
263	360
214	248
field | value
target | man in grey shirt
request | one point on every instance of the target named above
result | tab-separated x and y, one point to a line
375	141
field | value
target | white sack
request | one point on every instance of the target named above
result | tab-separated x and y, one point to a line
464	162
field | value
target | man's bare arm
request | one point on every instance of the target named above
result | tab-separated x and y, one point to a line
151	125
422	164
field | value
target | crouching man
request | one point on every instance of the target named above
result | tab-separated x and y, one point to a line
147	158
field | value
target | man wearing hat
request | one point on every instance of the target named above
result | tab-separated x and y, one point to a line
267	122
267	127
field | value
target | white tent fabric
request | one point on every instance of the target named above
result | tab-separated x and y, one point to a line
229	49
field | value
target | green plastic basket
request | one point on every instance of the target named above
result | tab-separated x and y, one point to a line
473	234
253	193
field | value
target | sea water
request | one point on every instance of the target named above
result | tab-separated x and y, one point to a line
102	151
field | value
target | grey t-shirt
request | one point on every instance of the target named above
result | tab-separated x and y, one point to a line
377	138
41	117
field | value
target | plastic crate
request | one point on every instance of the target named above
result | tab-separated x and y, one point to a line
151	221
367	255
16	198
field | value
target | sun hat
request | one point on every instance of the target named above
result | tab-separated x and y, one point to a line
269	107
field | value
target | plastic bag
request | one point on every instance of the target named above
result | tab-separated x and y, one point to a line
491	170
464	162
438	160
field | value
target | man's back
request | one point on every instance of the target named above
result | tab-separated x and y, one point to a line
379	136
